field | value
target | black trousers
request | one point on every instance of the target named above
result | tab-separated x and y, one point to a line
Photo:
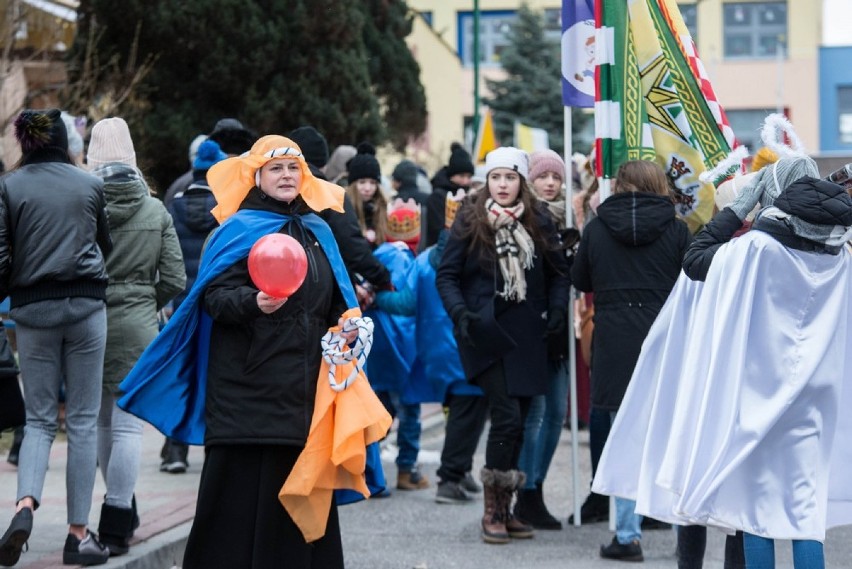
508	415
692	541
239	522
465	421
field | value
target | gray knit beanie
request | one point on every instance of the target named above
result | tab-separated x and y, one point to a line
775	177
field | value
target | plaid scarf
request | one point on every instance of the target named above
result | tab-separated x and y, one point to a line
515	247
118	172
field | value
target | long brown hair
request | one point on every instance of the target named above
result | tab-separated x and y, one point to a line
480	231
380	211
641	176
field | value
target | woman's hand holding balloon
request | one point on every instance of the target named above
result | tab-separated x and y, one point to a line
269	304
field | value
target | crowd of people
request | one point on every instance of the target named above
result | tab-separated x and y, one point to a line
711	392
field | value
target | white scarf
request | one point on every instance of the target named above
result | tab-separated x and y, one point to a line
515	247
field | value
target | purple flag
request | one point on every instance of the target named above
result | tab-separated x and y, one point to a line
578	53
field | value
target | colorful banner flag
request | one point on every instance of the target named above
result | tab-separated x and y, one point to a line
531	139
651	106
578	53
486	139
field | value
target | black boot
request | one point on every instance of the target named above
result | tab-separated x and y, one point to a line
531	509
15	449
115	529
594	509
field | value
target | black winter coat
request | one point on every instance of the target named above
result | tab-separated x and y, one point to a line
190	210
263	369
465	278
630	257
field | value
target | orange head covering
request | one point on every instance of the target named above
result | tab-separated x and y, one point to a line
231	179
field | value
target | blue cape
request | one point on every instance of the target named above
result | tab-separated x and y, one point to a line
167	386
394	350
437	354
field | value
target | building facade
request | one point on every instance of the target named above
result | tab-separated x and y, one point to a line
762	56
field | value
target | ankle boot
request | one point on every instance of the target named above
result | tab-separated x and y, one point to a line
493	524
544	519
115	529
516	528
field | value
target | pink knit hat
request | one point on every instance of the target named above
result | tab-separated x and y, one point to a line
110	142
542	161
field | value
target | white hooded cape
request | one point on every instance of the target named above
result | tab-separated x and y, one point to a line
739	411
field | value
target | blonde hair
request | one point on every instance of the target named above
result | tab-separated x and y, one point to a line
641	176
380	213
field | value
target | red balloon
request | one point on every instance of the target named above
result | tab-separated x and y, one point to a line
277	264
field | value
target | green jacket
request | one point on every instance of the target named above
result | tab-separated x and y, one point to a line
145	271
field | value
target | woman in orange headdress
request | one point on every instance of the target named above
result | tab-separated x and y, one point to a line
257	382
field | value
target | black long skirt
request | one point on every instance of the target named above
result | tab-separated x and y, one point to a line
239	522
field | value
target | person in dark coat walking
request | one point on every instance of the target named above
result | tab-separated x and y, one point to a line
454	176
190	210
505	285
630	257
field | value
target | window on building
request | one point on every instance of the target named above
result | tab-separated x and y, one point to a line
552	24
494	28
755	30
747	124
427	15
844	113
689	12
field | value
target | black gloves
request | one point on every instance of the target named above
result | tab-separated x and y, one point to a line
463	318
557	321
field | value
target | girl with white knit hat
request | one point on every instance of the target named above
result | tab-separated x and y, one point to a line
505	285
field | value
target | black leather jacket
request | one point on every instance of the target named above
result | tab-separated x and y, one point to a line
54	234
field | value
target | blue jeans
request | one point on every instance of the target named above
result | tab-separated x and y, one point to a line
544	425
408	431
628	524
760	553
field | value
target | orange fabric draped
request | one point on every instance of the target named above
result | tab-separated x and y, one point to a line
343	424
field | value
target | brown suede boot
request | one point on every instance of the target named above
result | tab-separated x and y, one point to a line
493	524
516	528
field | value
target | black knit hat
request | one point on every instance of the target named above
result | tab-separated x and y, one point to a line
232	137
313	145
364	164
405	173
36	130
460	162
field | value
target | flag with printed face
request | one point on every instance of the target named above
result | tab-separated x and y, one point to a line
531	139
578	53
654	102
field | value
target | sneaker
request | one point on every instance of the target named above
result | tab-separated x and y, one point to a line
174	458
16	537
451	493
411	480
469	484
622	552
88	551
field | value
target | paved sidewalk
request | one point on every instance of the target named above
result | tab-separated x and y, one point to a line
166	505
406	531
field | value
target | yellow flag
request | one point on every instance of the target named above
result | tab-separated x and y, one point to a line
486	140
530	139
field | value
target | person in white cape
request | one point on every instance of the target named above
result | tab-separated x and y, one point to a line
731	419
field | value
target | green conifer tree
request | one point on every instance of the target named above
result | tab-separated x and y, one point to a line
532	90
272	65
